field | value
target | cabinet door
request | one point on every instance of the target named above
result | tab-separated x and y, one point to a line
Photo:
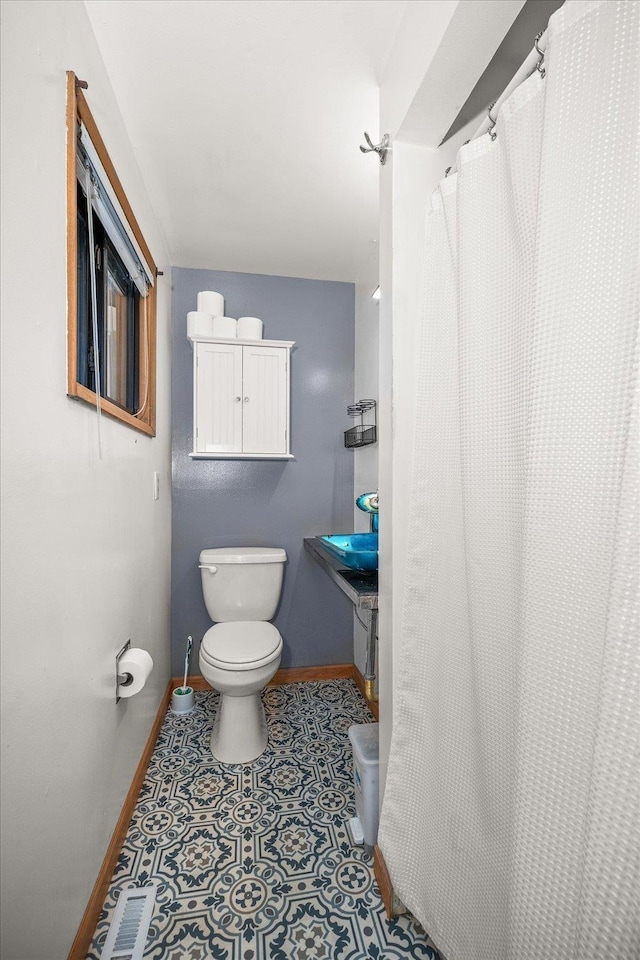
265	400
218	398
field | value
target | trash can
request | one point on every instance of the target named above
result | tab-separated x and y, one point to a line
366	775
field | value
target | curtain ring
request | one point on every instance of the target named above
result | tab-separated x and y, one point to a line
541	70
493	122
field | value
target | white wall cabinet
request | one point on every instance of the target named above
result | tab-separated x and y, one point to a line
241	399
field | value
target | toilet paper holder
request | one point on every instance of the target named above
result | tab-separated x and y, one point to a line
122	679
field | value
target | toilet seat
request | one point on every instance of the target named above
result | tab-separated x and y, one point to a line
241	644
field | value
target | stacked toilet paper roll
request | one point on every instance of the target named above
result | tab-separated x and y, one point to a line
224	327
199	324
211	302
250	328
138	664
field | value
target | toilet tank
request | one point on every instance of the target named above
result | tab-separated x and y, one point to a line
242	583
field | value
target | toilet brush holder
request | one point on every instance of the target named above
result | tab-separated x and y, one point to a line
182	700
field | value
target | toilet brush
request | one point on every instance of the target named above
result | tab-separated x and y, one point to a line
186	662
182	698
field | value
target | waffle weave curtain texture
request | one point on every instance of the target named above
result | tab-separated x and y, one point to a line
510	814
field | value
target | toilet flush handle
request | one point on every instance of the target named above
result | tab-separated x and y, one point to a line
210	568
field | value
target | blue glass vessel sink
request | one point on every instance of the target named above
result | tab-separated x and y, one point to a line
358	551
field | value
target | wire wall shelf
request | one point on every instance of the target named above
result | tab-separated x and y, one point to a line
362	433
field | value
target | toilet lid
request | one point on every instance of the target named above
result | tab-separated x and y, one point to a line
240	645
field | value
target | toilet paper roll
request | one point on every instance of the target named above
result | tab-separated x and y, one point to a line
224	327
211	302
199	324
139	664
249	328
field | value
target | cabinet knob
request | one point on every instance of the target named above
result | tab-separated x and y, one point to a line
246	399
238	399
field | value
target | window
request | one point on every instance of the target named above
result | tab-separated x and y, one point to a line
111	276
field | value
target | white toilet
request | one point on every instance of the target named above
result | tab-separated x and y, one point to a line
241	652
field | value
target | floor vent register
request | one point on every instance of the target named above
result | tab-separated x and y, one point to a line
127	935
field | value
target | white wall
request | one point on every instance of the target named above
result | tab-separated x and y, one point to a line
439	54
365	459
85	553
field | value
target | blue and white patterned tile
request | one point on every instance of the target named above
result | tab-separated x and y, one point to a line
253	862
208	785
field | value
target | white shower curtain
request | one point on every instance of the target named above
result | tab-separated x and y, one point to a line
510	815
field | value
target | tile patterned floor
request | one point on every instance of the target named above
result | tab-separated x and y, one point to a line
254	861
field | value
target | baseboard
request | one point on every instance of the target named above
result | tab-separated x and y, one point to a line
332	671
393	907
358	679
196	682
89	922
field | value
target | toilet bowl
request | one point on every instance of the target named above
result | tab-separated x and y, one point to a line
241	652
238	659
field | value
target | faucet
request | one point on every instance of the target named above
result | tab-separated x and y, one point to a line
369	503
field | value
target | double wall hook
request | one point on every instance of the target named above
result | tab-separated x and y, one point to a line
381	148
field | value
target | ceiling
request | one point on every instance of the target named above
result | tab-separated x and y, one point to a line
245	117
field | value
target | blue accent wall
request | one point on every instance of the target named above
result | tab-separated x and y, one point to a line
217	503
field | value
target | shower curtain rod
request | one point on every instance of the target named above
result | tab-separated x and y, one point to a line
532	63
